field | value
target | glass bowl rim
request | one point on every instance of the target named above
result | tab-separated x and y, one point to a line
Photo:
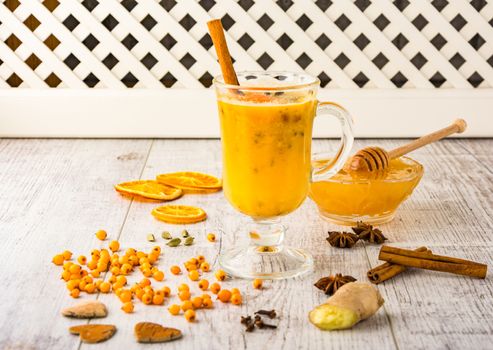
412	176
313	81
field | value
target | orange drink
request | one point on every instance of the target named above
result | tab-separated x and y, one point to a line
266	131
266	154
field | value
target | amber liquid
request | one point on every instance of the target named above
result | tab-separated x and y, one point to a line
348	195
266	155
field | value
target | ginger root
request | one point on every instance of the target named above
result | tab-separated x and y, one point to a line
351	303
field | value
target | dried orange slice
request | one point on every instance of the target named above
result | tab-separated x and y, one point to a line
191	181
149	189
179	214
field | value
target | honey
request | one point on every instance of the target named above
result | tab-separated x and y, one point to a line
350	197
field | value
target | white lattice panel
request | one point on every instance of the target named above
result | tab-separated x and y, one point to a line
160	44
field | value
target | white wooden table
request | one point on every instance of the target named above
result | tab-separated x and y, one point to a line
55	194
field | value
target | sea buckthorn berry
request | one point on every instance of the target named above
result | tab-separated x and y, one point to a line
83	273
121	280
145	266
90	288
158	275
74	293
125	296
58	259
147	298
166	291
184	295
128	307
156	250
236	299
149	290
82	260
139	293
102	266
207	303
159	292
65	276
206	296
175	270
183	287
235	291
190	315
101	235
141	254
158	299
123	260
114	246
224	295
115	270
87	279
152	258
205	267
203	284
145	282
200	259
71	285
257	283
112	279
143	260
147	272
211	237
74	268
215	288
67	264
197	302
67	255
92	265
187	305
194	275
193	261
174	309
126	268
190	266
220	275
133	260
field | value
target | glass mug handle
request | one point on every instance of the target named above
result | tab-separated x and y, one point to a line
336	163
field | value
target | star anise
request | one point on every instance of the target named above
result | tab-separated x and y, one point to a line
366	232
342	239
332	283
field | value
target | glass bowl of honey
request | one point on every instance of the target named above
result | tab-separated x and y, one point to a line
347	197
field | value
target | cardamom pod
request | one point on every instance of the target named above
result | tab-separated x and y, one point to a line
175	242
185	234
166	235
188	240
151	238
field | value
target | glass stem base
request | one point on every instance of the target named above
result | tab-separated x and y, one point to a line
265	257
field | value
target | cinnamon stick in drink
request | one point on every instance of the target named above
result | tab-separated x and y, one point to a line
387	270
429	261
216	32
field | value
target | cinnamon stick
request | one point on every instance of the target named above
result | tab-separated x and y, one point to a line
387	270
216	32
429	261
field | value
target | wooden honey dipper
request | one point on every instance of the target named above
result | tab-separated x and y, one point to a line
376	159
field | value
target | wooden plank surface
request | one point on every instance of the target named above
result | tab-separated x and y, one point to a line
54	194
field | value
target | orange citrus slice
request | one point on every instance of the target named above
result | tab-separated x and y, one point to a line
189	180
149	189
179	214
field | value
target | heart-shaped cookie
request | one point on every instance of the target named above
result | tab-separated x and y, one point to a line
86	309
148	332
93	333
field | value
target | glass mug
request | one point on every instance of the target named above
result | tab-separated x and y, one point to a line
266	134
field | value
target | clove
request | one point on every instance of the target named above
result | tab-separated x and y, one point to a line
269	313
260	324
